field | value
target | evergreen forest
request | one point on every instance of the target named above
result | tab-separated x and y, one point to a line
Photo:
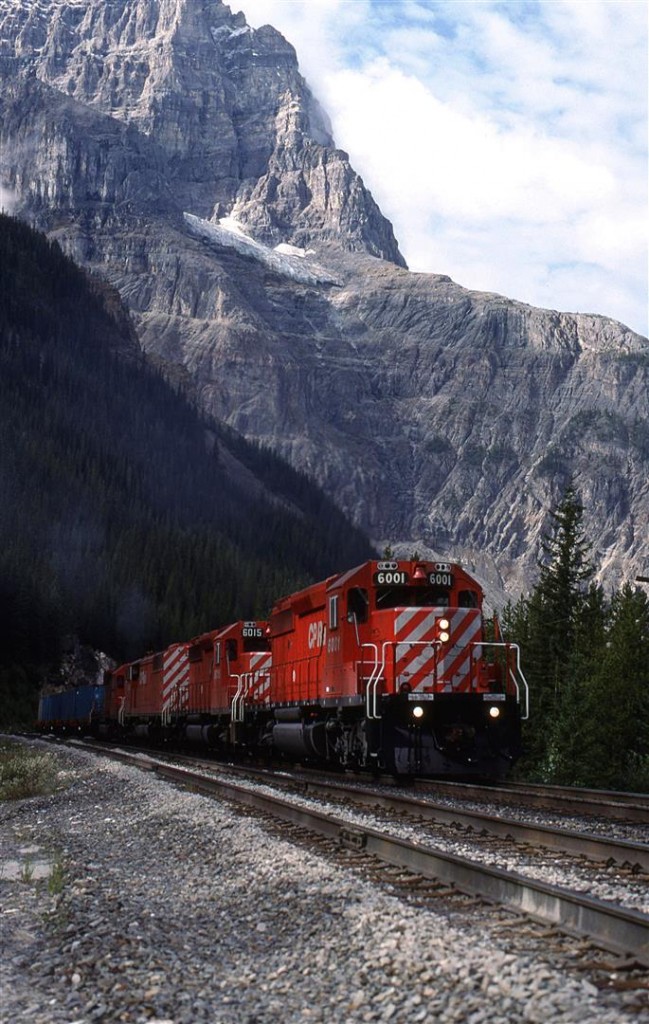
585	655
127	519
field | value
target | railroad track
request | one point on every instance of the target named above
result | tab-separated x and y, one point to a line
621	930
602	849
628	807
605	795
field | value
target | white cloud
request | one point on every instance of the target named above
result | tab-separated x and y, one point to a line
507	143
7	201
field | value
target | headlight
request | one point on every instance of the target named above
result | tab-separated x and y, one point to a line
444	623
443	637
494	711
417	711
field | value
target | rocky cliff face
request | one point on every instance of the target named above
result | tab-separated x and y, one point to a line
224	106
180	154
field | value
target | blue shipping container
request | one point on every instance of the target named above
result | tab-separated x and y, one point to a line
74	706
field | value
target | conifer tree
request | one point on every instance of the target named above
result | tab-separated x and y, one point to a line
546	623
570	748
617	706
565	571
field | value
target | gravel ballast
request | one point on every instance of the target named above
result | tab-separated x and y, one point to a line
176	908
603	882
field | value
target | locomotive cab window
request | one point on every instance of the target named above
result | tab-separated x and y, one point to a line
254	644
358	603
333	612
467	599
412	597
231	650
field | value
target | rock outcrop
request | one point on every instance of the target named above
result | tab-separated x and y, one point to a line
179	154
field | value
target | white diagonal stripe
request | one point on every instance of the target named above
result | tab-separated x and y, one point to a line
404	617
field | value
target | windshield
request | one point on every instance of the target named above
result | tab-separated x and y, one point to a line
412	597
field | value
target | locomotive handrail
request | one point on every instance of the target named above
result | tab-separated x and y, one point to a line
381	672
237	713
256	675
525	704
374	673
245	681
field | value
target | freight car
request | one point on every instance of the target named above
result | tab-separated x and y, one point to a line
78	709
384	667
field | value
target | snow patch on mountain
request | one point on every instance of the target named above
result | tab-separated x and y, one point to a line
293	250
227	32
287	260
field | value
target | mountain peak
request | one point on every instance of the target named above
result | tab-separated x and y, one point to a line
235	122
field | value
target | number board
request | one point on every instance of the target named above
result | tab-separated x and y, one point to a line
390	577
252	631
440	579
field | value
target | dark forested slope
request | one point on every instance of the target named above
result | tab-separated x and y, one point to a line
126	517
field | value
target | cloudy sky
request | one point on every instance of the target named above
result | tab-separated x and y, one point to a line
506	142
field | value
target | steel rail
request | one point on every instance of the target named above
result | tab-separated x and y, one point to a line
581	844
581	792
614	928
603	849
545	799
609	804
599	848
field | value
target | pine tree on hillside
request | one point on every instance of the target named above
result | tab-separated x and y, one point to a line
570	733
565	572
546	623
617	705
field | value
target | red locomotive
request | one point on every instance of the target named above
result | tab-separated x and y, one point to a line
385	667
193	691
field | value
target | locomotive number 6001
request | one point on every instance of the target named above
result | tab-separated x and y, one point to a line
391	578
